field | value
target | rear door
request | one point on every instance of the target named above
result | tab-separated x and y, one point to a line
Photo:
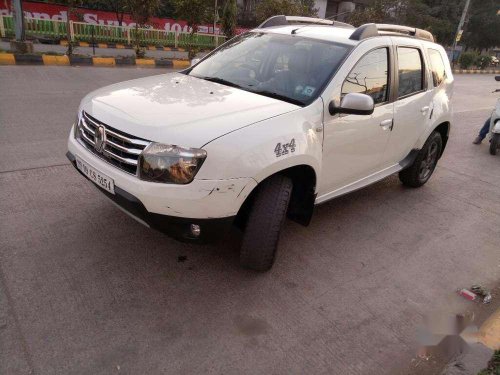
413	99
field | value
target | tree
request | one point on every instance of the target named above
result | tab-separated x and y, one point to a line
440	17
141	11
483	28
229	18
167	9
309	7
269	8
195	12
118	7
379	11
72	4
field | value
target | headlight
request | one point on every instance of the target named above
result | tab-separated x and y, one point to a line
170	163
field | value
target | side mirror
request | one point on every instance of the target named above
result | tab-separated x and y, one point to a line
353	104
497	78
195	61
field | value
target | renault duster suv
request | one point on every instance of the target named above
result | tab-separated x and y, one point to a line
268	125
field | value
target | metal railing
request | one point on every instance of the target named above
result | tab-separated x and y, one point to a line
86	32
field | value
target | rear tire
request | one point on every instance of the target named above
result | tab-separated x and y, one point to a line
494	143
422	168
266	218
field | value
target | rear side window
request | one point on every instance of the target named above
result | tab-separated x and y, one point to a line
370	76
410	71
437	66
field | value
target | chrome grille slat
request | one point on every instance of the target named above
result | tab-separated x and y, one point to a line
119	158
129	140
133	151
87	138
84	123
119	149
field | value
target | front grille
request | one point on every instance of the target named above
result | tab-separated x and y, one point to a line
118	148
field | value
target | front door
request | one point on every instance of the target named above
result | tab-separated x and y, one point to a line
354	145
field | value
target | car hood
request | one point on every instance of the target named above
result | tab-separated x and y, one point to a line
179	109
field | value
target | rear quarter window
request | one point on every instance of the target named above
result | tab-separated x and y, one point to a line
410	71
438	67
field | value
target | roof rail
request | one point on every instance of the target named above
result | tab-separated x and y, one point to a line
373	29
291	20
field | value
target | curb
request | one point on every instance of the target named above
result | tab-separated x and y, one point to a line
110	45
475	71
32	59
121	46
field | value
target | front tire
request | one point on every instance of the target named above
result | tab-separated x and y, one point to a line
422	168
266	218
494	143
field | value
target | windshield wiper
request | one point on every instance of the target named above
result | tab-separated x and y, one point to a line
275	95
222	81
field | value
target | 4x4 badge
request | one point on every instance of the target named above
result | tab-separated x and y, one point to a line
285	148
100	138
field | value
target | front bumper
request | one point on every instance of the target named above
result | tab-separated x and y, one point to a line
176	227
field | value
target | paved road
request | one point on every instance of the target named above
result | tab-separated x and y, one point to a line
84	289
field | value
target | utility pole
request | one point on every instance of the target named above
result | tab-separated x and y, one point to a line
460	31
216	18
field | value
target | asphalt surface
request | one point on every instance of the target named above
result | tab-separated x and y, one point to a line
84	289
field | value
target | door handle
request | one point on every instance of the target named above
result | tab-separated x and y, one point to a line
425	109
387	124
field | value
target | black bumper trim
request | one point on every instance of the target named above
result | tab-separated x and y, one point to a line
173	226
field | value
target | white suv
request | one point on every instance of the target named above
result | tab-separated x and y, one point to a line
270	124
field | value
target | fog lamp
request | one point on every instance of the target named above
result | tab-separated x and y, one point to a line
195	230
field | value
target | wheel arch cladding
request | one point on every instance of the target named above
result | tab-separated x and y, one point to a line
444	130
303	196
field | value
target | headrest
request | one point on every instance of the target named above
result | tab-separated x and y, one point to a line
299	61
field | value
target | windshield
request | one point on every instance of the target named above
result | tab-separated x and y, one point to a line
285	67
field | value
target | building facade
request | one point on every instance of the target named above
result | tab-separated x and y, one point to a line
331	8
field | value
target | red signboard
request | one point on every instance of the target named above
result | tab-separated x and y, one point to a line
97	17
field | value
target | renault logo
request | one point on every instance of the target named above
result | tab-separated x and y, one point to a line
100	138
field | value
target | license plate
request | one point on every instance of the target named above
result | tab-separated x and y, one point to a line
99	178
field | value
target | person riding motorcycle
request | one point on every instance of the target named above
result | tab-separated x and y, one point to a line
491	125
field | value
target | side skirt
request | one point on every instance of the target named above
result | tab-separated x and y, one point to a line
371	179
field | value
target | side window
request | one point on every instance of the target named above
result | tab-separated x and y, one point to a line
410	71
437	65
370	76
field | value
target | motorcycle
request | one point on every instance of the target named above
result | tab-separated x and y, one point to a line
495	125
